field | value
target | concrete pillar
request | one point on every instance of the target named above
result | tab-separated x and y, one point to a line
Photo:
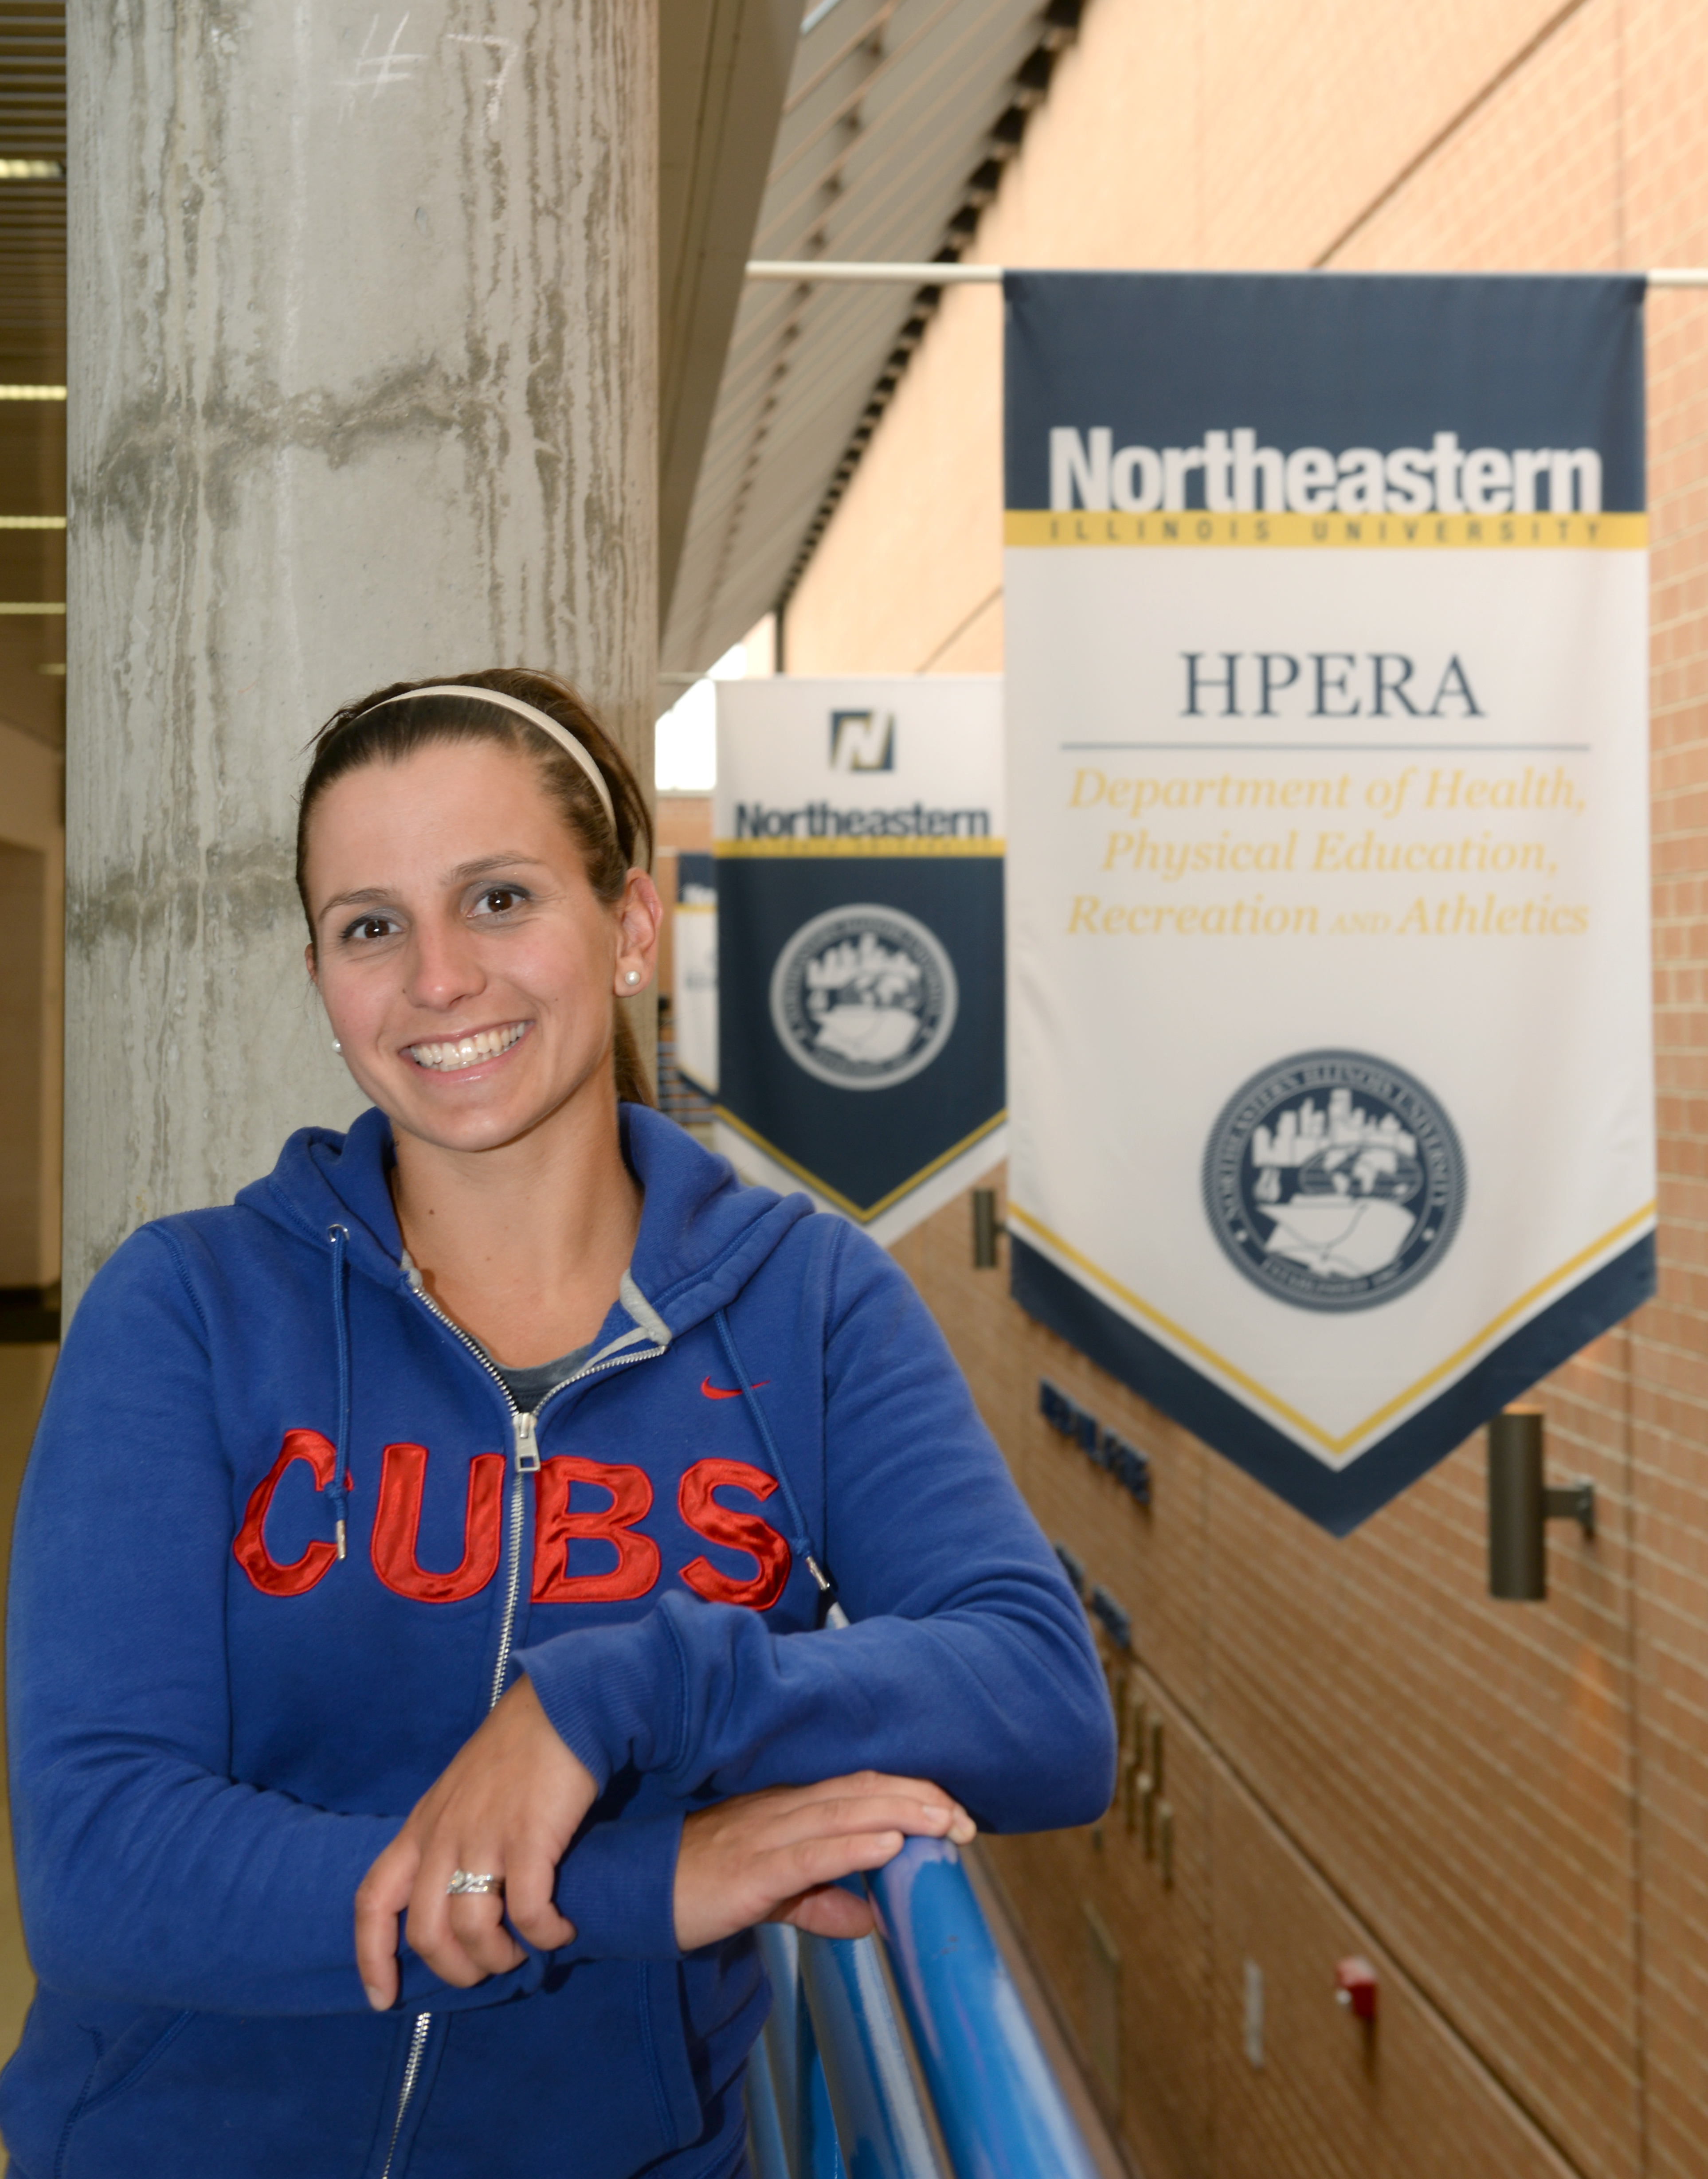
363	386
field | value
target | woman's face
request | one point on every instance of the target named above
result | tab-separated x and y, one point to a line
466	965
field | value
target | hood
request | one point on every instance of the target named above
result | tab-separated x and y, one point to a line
703	1232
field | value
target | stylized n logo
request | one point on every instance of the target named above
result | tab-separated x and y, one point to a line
862	741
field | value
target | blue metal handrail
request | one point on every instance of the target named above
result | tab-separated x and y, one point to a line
1000	2108
791	2130
834	2090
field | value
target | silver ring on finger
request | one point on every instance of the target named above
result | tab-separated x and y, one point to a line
475	1884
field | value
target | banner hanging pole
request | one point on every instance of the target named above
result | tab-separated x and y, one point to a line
945	276
920	275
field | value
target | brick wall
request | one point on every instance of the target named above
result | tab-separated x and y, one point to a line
1504	1807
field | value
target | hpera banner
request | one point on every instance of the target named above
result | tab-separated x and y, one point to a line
859	837
1325	602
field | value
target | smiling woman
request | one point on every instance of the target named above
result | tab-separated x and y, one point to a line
542	726
423	1814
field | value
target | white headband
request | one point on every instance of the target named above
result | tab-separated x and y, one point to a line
560	735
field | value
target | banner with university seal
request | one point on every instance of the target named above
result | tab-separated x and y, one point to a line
1325	603
859	836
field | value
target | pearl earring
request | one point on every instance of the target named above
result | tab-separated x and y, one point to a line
631	975
337	1047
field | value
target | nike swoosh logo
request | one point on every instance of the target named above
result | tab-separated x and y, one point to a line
727	1392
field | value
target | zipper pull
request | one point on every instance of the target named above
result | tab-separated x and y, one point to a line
527	1445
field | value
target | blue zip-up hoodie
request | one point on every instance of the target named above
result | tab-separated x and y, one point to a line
217	1721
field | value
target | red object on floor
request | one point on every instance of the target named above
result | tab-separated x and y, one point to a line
1354	1986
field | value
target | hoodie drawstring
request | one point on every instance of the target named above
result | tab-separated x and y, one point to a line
750	1399
337	1491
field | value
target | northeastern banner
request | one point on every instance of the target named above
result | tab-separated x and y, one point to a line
858	844
1326	631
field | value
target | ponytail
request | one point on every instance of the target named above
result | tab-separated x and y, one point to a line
632	1087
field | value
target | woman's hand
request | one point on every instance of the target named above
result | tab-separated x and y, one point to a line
776	1856
507	1805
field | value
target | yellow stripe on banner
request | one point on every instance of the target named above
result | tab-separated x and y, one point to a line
1621	533
1337	1446
842	1202
902	844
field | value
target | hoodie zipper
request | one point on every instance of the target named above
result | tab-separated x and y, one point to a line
525	1434
412	2066
523	1430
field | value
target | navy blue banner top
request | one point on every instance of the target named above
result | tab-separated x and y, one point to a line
1325	359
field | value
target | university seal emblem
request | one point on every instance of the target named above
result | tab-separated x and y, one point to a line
1333	1180
862	996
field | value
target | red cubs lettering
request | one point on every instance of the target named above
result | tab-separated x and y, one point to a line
740	1532
249	1548
398	1526
556	1527
398	1522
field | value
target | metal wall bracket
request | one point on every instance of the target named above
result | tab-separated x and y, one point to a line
1521	1504
985	1228
1575	1501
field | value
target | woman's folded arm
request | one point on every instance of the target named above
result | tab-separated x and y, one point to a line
968	1661
146	1871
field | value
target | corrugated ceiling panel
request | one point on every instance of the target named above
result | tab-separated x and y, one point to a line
32	213
890	109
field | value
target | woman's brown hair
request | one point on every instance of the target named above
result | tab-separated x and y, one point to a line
358	734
